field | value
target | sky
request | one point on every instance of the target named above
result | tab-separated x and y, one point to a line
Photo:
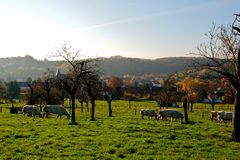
102	28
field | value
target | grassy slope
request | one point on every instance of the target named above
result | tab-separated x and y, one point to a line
125	135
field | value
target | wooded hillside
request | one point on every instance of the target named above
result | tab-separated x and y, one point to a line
24	67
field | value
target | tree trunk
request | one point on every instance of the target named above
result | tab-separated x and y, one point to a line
81	102
48	98
12	103
87	106
40	106
129	103
185	105
191	108
73	111
212	104
236	118
93	109
109	109
31	96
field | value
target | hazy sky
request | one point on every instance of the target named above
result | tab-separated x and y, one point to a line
102	28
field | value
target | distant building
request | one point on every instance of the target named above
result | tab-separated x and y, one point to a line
156	87
60	75
23	86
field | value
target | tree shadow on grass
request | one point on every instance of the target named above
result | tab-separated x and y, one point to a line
75	123
191	123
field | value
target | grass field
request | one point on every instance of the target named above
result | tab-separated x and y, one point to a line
124	136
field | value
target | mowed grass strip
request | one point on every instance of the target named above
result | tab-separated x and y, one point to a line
124	136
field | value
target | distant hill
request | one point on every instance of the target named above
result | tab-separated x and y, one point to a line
119	66
24	67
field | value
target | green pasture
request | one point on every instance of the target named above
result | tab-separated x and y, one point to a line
124	136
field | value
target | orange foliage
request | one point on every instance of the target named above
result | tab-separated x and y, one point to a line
192	87
114	82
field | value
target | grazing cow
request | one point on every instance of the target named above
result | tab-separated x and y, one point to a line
214	114
171	113
55	109
224	116
31	110
149	113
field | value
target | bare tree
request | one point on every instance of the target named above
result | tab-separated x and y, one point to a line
93	86
222	56
75	70
108	96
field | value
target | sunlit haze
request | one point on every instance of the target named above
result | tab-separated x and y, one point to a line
103	28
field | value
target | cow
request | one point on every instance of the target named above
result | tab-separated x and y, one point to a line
170	113
224	116
149	113
31	110
55	109
214	114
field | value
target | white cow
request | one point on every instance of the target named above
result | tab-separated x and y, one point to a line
149	113
31	110
171	113
224	116
55	109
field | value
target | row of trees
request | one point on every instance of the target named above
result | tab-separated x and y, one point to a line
54	89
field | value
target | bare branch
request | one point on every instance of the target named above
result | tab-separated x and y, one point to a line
221	54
